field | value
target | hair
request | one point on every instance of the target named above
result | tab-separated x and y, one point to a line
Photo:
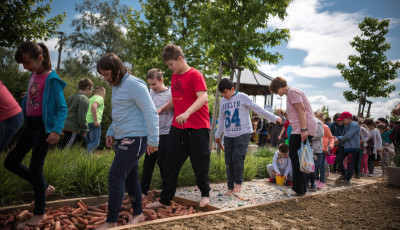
172	52
277	83
383	120
319	115
369	122
354	118
154	74
34	50
281	113
327	120
381	127
224	84
360	120
112	62
99	89
283	148
84	83
336	116
364	125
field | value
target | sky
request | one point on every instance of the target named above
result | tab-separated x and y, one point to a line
321	32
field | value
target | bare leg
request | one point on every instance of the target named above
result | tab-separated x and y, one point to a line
204	201
107	225
137	219
34	220
229	192
156	205
238	188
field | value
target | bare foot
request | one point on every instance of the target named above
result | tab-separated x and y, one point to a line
137	219
155	205
229	192
238	188
50	190
35	220
107	225
204	201
144	197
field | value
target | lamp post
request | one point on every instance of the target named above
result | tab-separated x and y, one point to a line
59	48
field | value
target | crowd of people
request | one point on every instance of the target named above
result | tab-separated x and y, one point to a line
170	124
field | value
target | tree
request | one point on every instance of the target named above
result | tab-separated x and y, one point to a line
325	111
369	72
76	67
24	20
237	31
98	30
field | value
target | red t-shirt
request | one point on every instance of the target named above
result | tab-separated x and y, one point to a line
8	105
286	125
183	88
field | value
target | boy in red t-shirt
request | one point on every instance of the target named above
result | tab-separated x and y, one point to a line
190	131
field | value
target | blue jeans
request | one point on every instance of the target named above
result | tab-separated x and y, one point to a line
8	128
124	172
93	137
235	154
320	167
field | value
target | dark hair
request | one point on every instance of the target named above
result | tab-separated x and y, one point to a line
381	119
172	52
84	83
381	126
154	73
34	50
112	62
327	120
369	122
336	116
277	83
283	148
224	84
355	118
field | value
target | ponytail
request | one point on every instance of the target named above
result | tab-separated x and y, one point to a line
34	50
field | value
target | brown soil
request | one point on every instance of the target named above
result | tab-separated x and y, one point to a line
373	206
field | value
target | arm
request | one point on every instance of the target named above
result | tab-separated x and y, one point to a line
377	141
302	118
274	161
221	123
260	111
349	133
60	113
83	107
289	168
200	101
110	136
331	138
282	132
168	106
320	132
93	109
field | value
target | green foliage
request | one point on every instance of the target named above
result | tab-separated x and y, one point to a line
392	117
98	30
25	21
325	111
369	72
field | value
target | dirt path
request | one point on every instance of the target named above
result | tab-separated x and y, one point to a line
372	206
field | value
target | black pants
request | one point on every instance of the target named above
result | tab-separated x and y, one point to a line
181	144
299	178
150	161
70	139
340	155
262	140
32	137
351	160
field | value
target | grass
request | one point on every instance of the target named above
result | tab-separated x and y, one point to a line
75	174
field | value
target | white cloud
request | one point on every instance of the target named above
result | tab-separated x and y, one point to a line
325	36
340	84
299	85
296	70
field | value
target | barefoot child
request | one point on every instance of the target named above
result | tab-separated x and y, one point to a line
190	132
281	165
133	129
45	111
234	110
160	94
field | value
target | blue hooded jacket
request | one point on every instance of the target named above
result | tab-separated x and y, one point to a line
54	107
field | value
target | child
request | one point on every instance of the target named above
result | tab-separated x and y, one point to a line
160	94
364	137
135	123
76	127
351	144
337	130
11	116
190	132
45	111
374	145
281	165
234	111
93	118
318	150
386	149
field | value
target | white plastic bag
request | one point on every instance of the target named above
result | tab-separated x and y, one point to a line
306	158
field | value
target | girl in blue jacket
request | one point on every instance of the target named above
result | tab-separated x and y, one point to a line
45	111
133	130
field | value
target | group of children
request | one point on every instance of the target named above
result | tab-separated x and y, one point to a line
168	124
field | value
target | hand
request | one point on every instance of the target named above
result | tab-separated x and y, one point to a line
217	140
379	151
336	142
279	137
151	149
361	142
277	174
279	121
96	124
110	141
181	119
84	134
326	152
53	138
159	112
304	136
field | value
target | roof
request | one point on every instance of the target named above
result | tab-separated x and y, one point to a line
253	83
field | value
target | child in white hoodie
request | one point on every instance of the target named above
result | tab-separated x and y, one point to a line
281	165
